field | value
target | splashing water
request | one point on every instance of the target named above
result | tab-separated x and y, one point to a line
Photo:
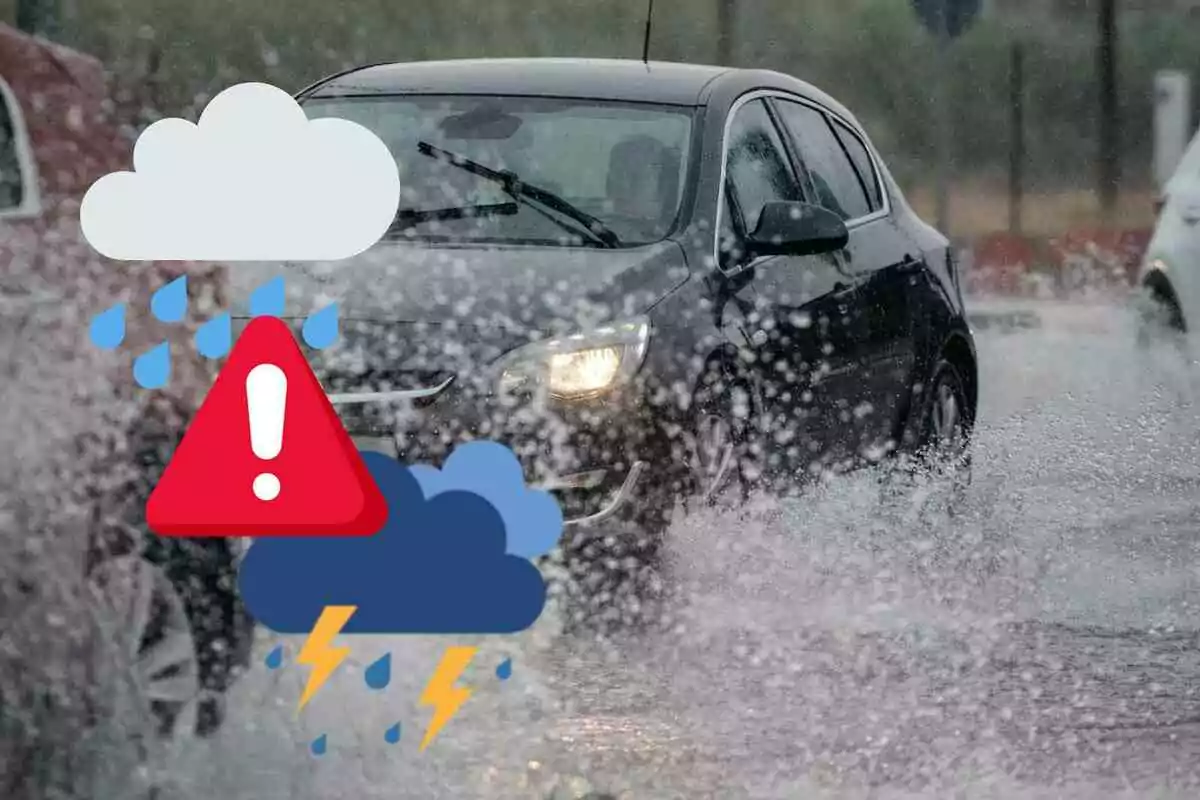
392	734
169	304
379	674
214	338
504	670
107	330
319	745
152	369
321	328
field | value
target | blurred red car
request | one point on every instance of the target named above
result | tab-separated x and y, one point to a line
83	444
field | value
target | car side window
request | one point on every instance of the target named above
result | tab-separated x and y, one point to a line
756	168
12	183
833	174
863	165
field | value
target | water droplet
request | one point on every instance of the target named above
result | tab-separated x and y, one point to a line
268	300
321	328
392	734
504	671
152	368
215	336
108	328
379	674
169	304
275	658
319	745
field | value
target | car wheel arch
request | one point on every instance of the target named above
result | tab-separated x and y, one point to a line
1156	282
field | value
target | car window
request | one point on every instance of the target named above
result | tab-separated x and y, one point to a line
12	186
863	165
625	164
833	175
757	170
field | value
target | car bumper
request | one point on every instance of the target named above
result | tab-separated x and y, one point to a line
594	457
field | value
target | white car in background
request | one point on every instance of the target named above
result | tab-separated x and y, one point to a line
1170	273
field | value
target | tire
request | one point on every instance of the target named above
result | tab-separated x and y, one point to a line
934	479
725	444
147	640
204	574
1159	317
201	572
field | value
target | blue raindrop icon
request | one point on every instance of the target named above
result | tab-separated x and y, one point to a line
107	330
392	734
214	337
268	299
379	674
169	304
504	670
319	745
152	369
321	328
274	658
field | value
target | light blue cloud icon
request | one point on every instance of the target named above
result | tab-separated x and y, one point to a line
532	518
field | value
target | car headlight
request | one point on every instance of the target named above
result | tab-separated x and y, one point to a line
578	366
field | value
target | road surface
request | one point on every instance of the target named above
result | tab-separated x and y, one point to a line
823	651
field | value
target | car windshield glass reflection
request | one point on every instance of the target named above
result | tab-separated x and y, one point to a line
587	173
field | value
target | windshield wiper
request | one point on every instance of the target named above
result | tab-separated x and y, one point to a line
411	217
512	185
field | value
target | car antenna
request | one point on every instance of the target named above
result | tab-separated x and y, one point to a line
646	38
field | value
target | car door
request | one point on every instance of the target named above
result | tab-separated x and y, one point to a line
882	261
797	321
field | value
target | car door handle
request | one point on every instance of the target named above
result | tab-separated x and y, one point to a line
1190	214
842	289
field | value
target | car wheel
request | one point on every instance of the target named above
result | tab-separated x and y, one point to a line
934	480
725	454
1159	317
148	644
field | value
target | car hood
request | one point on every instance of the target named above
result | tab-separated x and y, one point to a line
533	286
422	309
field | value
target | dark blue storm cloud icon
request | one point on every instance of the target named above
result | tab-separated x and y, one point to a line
439	565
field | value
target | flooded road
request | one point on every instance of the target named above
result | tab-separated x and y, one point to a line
821	649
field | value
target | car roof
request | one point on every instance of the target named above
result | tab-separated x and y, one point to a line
597	78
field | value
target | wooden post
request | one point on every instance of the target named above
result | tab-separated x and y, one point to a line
1109	155
1016	163
726	21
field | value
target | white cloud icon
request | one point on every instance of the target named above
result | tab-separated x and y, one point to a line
254	180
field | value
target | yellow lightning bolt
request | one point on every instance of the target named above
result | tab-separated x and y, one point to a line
442	694
317	651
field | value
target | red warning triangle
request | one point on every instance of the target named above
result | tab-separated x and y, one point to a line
316	484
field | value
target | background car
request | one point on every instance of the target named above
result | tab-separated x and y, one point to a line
655	282
83	444
1170	273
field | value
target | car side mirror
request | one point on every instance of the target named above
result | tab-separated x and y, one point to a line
796	229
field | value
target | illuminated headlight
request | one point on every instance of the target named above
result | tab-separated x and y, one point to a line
582	365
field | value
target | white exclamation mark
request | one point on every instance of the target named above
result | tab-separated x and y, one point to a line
266	397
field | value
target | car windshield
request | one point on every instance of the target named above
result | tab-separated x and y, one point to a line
529	170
